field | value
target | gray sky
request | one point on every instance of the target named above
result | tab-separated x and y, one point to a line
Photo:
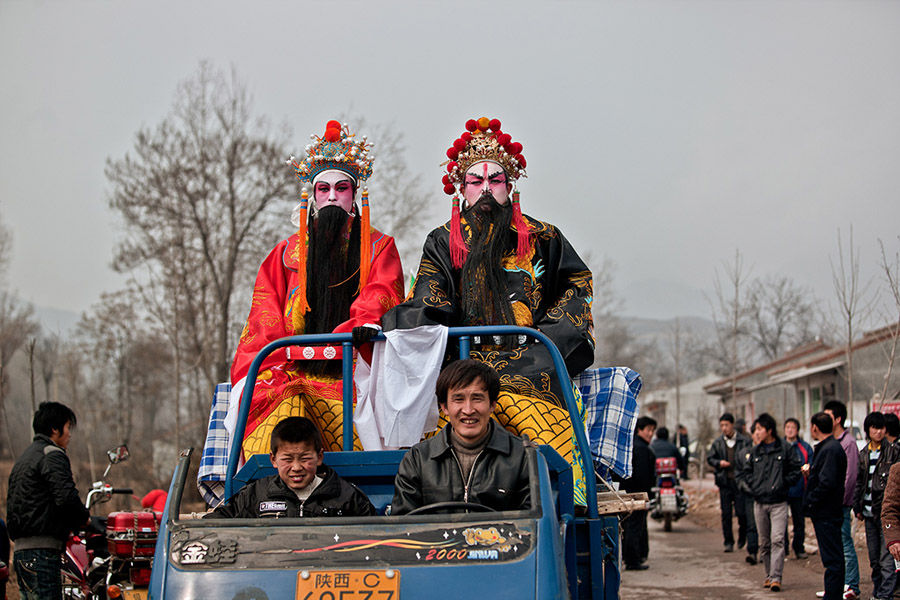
662	135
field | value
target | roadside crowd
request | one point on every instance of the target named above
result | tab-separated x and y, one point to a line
763	477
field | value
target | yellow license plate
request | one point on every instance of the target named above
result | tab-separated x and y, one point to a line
348	585
134	594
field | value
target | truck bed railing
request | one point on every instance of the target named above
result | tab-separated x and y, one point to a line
464	334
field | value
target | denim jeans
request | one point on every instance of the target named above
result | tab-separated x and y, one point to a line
771	523
851	564
38	571
880	560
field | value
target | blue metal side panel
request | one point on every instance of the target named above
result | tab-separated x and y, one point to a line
611	574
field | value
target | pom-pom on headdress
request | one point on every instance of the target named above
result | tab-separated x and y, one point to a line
483	140
341	150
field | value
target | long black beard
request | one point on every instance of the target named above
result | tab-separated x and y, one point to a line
484	290
332	276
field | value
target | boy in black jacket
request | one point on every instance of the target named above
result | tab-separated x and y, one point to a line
824	501
635	541
43	505
303	486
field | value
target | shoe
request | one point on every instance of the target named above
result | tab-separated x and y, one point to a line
741	543
803	556
775	587
851	595
767	583
636	567
729	547
751	558
820	594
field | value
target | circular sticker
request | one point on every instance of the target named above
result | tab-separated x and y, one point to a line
329	352
308	353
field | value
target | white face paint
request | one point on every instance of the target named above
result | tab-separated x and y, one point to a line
486	176
333	187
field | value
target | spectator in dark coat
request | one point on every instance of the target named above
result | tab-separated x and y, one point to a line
635	542
766	475
684	447
891	427
804	452
725	451
663	448
43	505
874	464
838	413
824	501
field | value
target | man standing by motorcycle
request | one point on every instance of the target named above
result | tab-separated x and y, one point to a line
768	471
725	450
43	505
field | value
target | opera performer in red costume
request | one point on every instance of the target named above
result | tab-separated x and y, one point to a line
336	274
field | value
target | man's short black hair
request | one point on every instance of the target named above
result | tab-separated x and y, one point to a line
295	430
727	417
892	424
823	421
838	409
767	422
462	373
792	420
52	416
644	422
662	433
873	419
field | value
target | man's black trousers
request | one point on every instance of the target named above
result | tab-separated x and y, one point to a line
831	550
635	541
730	497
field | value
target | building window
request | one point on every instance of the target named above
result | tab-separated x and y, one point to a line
815	400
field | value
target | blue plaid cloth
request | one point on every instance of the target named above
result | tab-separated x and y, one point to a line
610	400
213	462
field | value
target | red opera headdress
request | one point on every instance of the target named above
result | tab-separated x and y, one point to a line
483	140
337	149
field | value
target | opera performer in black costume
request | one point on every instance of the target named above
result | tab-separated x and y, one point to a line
492	265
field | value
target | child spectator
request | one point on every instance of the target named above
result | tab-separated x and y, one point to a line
875	460
303	486
804	452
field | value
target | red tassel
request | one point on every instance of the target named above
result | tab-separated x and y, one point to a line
522	234
458	249
365	242
301	306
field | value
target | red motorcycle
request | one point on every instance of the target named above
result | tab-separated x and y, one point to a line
113	556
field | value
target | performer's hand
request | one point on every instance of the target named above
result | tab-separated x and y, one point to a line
363	335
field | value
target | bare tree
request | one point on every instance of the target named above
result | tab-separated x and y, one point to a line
400	203
852	302
17	324
780	315
5	248
891	268
202	197
730	317
47	352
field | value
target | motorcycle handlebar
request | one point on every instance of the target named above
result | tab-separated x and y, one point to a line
122	491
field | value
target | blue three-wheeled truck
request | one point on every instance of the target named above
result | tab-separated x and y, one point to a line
546	551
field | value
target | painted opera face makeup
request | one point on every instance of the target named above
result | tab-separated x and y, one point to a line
333	188
486	176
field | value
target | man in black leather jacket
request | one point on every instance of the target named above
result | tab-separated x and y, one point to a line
473	459
725	451
43	505
767	472
302	487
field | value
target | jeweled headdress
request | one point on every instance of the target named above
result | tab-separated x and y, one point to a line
337	149
483	140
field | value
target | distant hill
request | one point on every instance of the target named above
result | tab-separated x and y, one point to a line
657	299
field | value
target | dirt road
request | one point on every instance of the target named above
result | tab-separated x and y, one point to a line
689	563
